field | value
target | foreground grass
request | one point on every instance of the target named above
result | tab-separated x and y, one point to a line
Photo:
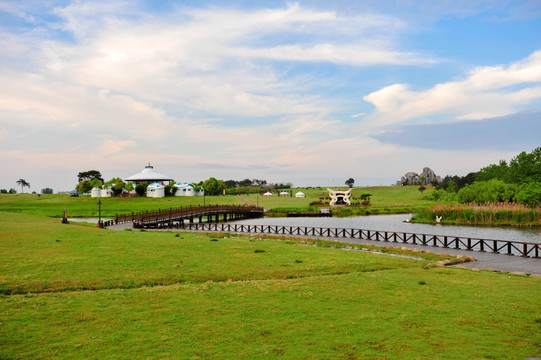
395	314
41	255
240	297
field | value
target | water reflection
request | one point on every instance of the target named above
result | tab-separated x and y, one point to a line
396	223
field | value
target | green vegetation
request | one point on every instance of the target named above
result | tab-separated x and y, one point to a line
73	291
499	194
489	214
371	200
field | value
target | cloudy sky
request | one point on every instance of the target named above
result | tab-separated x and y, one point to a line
308	92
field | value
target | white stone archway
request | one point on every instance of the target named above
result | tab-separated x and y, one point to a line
340	197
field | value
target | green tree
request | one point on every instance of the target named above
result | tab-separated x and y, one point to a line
118	186
349	182
214	186
12	191
47	191
129	187
141	189
422	188
526	167
482	192
84	186
23	183
89	175
530	195
245	182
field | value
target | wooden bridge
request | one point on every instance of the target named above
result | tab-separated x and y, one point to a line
177	217
532	250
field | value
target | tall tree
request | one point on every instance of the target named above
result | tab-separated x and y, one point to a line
23	183
214	186
349	182
90	175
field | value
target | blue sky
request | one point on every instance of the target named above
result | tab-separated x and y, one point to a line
308	92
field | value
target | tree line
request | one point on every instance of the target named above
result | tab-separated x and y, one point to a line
518	180
87	180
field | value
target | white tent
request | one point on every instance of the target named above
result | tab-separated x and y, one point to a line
284	193
106	192
300	194
268	193
96	192
155	190
184	189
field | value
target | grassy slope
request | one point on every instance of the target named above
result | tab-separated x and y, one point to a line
223	300
384	200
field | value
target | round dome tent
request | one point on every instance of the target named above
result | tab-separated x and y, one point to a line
106	192
148	174
96	192
268	193
300	194
155	190
184	189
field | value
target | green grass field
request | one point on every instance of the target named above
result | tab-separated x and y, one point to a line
75	291
385	199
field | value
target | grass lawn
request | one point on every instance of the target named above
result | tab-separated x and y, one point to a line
73	291
385	199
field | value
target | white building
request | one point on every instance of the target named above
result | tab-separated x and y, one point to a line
95	192
106	192
187	190
300	194
148	174
155	190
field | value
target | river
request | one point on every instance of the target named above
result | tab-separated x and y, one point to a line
395	223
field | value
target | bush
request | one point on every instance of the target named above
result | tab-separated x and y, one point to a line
530	195
141	190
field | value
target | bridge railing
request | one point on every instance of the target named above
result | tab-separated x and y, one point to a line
506	247
179	212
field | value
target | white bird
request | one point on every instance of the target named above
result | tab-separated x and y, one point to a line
438	218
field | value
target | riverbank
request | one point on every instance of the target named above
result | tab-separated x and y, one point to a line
480	215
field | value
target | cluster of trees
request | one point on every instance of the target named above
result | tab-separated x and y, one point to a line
517	181
10	191
251	186
23	183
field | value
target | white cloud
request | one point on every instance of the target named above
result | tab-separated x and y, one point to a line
486	92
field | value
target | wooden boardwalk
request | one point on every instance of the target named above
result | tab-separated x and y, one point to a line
177	217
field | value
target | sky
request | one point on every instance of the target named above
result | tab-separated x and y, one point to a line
307	92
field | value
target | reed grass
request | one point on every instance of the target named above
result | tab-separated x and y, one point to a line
486	214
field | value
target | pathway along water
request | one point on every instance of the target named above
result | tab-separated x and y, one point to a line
395	223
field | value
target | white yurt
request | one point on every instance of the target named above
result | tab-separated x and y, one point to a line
155	190
284	193
300	194
268	193
95	192
106	192
184	189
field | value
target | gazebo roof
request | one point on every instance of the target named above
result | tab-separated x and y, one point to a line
148	174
